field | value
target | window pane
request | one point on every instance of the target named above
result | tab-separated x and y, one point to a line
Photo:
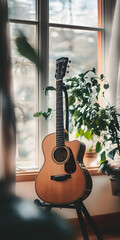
24	80
79	46
22	9
80	12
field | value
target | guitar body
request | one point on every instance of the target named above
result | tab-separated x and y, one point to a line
63	178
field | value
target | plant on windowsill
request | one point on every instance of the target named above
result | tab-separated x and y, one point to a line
114	174
88	117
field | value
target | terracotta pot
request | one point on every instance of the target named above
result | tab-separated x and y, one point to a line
90	159
115	187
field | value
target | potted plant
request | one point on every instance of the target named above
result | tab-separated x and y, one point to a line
88	116
114	173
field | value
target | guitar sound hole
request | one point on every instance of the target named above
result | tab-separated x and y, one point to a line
60	154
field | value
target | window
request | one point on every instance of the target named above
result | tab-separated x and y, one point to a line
23	17
55	28
75	31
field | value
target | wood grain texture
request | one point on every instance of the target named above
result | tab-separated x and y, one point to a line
78	186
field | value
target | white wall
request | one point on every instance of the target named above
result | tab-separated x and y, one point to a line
99	202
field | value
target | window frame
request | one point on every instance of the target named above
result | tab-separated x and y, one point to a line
42	41
42	28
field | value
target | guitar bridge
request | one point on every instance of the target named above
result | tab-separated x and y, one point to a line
60	178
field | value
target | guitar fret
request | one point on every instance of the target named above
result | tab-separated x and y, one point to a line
58	117
59	112
60	129
59	125
60	142
59	136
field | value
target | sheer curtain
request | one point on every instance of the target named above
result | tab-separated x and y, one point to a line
113	61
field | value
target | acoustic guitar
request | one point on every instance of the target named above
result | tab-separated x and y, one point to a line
63	177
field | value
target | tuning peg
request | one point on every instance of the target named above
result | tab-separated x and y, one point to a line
68	66
67	71
69	61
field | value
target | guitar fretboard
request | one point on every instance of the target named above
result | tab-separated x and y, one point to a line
59	114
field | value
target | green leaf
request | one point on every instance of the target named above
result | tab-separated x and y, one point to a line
103	165
94	82
38	114
49	88
112	153
103	156
105	137
47	114
77	135
76	114
102	77
82	75
88	135
88	85
98	88
103	161
98	147
49	110
80	132
96	105
90	149
106	86
44	114
93	70
71	100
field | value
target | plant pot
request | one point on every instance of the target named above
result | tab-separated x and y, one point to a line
115	187
90	159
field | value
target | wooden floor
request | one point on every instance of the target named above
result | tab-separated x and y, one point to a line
108	225
106	236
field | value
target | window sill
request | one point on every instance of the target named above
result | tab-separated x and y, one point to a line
23	176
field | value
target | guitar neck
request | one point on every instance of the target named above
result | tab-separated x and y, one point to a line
59	114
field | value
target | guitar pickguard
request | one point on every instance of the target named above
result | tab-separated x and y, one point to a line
70	165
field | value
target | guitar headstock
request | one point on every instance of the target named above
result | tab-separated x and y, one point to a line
61	66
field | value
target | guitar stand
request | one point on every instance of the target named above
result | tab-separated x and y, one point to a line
80	209
78	205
